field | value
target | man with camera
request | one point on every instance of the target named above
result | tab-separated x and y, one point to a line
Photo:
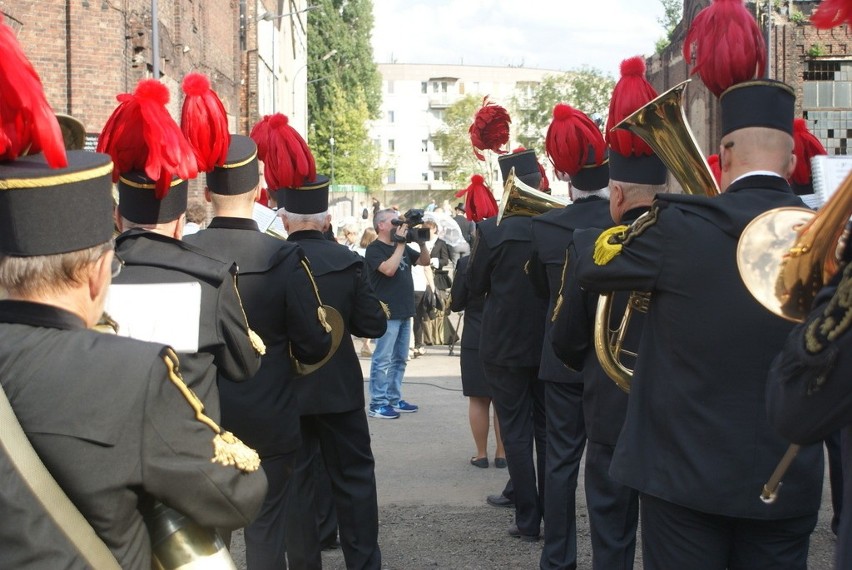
390	261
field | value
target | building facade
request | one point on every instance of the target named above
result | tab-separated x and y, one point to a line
414	100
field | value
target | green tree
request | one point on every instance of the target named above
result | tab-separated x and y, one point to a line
344	90
453	142
586	89
672	14
354	155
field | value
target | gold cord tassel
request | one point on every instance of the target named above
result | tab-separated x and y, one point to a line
608	244
257	342
385	309
322	318
228	450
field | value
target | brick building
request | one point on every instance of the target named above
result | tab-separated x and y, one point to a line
816	63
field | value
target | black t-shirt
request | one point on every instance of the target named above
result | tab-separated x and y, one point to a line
396	292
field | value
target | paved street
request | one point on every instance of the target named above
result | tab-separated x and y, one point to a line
432	501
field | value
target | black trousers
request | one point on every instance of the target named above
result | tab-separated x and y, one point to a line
518	397
613	512
344	441
566	439
266	536
677	537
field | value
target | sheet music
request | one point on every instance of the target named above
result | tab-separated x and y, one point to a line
265	217
829	172
166	313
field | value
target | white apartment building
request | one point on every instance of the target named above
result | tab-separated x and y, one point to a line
414	99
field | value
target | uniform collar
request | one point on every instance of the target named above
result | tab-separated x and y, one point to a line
233	223
39	315
306	234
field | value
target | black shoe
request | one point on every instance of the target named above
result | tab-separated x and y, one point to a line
499	501
515	531
500	462
330	543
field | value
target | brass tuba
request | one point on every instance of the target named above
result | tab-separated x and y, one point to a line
663	125
521	199
785	256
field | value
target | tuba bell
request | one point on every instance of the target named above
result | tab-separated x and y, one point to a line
521	199
661	123
785	256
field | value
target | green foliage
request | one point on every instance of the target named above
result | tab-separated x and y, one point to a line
796	16
816	50
344	90
355	156
672	14
586	89
453	142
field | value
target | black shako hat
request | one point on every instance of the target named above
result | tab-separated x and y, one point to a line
525	164
239	174
759	103
637	169
138	202
46	211
592	176
309	198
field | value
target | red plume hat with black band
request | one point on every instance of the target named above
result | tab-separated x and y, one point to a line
152	158
576	148
630	158
52	201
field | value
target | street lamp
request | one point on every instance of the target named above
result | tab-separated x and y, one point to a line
269	16
331	144
295	75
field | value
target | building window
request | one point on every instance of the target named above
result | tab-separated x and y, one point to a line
826	99
425	176
441	175
424	145
391	145
377	144
390	86
443	86
434	87
424	87
391	175
390	117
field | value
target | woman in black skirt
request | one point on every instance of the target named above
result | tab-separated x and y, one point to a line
472	373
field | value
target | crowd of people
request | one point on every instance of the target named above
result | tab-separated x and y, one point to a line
164	387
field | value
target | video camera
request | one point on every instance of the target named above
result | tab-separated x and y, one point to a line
412	218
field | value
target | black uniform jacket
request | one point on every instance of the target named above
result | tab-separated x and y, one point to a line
696	432
513	318
112	429
553	233
461	299
344	283
281	306
572	340
223	343
809	392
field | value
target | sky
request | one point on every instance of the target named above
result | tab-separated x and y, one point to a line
545	34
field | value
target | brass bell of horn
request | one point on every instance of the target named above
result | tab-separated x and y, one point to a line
73	132
520	199
178	542
661	123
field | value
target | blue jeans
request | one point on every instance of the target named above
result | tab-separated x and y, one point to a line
388	365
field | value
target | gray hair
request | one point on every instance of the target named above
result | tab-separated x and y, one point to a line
28	276
602	193
318	219
383	215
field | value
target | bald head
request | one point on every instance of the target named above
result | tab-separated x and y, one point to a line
755	148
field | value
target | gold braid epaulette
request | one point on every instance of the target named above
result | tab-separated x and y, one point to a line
320	310
227	448
835	318
611	241
385	309
256	342
559	298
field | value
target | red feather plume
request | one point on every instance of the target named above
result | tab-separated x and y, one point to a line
141	135
490	128
570	136
727	45
805	146
204	122
831	13
287	160
715	168
27	123
631	93
479	202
